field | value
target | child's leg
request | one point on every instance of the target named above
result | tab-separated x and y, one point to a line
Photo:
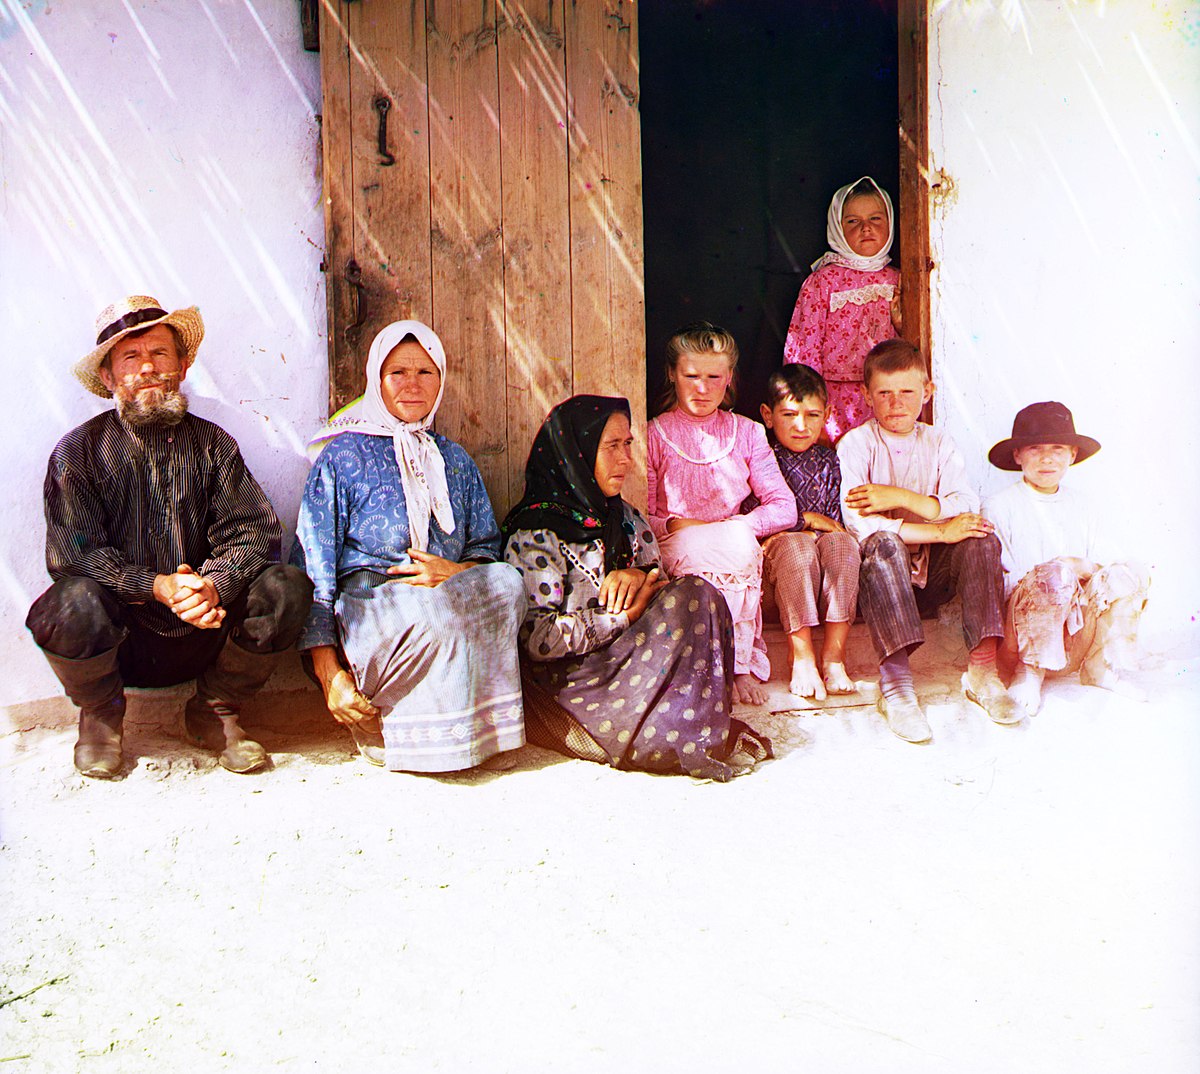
839	561
1115	596
975	572
790	566
885	594
1043	618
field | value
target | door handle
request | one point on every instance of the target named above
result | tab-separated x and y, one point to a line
353	277
382	105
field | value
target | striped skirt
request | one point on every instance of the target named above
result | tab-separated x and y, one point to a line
440	664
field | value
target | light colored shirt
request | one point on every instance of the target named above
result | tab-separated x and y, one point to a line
925	461
1035	528
704	468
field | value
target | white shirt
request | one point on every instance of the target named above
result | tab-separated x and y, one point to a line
925	461
1036	527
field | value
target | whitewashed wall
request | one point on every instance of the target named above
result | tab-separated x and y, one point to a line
1066	137
163	147
170	147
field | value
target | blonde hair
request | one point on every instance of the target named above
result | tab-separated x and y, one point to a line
701	337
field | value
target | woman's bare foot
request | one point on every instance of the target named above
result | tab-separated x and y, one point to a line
836	679
747	691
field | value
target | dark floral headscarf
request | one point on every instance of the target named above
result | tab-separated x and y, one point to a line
561	493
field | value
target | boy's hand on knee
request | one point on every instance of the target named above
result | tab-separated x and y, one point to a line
964	526
822	523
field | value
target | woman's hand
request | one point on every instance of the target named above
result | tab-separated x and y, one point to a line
344	701
675	524
895	309
342	697
648	591
620	587
427	569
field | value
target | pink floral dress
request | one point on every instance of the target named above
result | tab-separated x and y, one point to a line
840	315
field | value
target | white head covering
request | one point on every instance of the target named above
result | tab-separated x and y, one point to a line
422	468
840	252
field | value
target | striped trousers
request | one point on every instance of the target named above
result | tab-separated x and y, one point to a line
893	606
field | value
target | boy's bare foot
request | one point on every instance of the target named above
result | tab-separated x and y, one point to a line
747	691
983	686
1108	679
836	679
904	717
1026	687
806	680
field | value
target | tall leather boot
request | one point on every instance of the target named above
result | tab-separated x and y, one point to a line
211	717
94	684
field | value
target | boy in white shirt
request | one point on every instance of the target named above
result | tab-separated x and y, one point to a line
906	498
1064	611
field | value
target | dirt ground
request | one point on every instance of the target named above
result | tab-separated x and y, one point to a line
1004	899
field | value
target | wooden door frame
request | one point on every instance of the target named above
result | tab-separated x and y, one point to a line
913	91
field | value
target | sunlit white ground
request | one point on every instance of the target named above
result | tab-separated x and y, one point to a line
1004	899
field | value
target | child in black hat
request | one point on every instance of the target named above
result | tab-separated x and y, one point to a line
1064	611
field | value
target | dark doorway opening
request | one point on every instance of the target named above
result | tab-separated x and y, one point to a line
753	113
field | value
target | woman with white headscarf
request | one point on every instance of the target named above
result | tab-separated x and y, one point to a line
850	302
413	629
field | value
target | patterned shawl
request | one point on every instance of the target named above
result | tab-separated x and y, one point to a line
561	493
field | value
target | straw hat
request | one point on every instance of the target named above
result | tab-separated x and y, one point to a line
1041	423
134	314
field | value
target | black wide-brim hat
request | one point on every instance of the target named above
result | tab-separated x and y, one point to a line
1042	423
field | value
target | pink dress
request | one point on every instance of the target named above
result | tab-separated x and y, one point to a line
840	315
704	468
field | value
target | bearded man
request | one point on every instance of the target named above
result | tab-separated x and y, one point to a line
163	549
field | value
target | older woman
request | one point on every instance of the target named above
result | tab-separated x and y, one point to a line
414	623
621	666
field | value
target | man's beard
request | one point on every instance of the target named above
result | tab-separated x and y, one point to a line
151	401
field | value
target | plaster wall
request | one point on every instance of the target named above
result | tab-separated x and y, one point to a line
171	148
1065	140
166	148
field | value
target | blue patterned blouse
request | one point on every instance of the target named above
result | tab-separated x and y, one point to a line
353	516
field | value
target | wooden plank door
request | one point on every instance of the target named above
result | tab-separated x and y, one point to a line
508	217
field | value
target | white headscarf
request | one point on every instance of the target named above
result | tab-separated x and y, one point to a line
840	252
422	468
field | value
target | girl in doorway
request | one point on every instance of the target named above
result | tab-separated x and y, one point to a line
850	302
702	461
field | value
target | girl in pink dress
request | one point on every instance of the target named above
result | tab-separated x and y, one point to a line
850	302
702	460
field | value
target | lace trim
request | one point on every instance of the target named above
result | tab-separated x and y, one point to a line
861	296
722	451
